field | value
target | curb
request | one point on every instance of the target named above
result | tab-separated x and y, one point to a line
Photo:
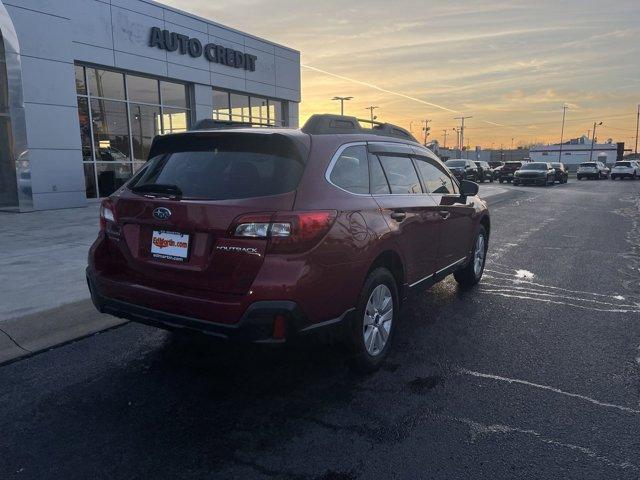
31	334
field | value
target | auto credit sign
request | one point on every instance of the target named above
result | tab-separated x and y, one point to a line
184	45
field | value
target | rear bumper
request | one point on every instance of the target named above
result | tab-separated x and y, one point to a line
622	174
256	325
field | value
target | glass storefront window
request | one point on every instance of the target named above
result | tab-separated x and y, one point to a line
240	108
85	129
118	124
90	179
81	84
8	182
220	105
259	111
173	94
174	120
111	176
145	124
143	90
275	113
105	84
110	130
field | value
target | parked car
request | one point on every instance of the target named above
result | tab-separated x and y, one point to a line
508	170
485	173
562	174
267	235
593	170
535	173
495	164
626	169
463	169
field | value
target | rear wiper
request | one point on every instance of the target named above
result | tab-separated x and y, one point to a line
158	188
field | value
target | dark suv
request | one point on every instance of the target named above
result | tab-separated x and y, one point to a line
508	171
266	235
464	169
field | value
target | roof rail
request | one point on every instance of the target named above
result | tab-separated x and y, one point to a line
211	124
324	124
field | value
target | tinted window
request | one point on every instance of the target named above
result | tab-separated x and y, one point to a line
106	84
142	89
401	175
435	179
534	166
226	166
623	164
378	181
351	170
456	163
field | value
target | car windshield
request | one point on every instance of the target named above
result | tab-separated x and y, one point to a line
222	167
534	166
623	164
588	164
556	165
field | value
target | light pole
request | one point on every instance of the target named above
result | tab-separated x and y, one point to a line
371	109
637	125
564	113
445	138
426	130
462	119
593	139
342	100
511	151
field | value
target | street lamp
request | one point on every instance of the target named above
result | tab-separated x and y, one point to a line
593	139
371	109
564	112
342	100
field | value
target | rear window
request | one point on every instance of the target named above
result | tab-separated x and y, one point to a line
225	166
534	166
456	163
588	164
623	164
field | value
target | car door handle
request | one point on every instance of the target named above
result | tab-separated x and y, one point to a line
398	216
444	214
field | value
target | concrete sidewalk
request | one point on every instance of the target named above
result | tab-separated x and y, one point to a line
44	300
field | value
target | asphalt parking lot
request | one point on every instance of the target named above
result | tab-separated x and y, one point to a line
533	374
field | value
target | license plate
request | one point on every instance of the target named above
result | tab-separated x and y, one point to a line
170	245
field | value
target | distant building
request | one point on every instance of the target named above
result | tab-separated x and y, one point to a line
577	151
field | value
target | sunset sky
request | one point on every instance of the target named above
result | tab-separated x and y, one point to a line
511	65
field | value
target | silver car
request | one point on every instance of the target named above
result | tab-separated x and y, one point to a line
595	170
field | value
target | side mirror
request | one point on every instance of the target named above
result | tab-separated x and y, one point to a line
468	188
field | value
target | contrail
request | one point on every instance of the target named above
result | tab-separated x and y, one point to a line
391	92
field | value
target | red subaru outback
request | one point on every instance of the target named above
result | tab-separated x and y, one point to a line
266	235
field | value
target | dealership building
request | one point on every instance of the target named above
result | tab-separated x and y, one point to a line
85	85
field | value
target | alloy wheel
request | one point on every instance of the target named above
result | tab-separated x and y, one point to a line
378	316
479	255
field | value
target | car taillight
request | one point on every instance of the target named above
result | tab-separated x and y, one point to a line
106	214
286	232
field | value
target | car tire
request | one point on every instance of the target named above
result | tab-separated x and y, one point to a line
491	180
366	338
501	180
471	274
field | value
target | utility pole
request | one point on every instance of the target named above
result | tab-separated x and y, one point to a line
426	130
564	113
593	139
371	109
462	119
511	151
637	125
445	137
342	100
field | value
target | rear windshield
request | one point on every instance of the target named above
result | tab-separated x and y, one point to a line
556	165
224	166
456	163
534	166
623	164
588	164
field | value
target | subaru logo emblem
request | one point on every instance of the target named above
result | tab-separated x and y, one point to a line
162	213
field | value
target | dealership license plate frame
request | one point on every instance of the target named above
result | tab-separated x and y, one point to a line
177	253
